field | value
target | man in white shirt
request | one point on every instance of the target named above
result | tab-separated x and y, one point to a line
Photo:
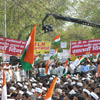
53	70
8	77
22	73
16	74
60	69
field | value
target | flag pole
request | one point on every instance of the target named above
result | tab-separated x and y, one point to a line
5	18
3	58
28	74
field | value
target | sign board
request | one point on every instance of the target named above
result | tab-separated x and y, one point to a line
46	58
62	55
42	47
6	58
85	47
67	52
63	45
74	64
16	47
52	52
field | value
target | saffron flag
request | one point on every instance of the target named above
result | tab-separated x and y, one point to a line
57	39
56	51
27	58
4	88
47	67
50	91
66	68
98	70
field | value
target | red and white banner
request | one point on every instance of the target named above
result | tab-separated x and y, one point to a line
16	47
85	47
12	46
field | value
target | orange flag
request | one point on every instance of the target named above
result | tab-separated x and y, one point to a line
29	57
4	88
40	95
50	91
47	67
98	71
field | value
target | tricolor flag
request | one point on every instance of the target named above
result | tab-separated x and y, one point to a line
97	55
50	91
27	59
47	66
75	63
81	59
4	88
57	39
66	68
56	51
36	59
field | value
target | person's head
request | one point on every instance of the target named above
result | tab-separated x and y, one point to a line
75	97
13	95
21	68
70	87
7	68
81	97
37	92
94	96
30	97
55	61
16	68
58	92
97	89
43	65
86	93
54	66
74	87
25	96
12	89
66	98
89	87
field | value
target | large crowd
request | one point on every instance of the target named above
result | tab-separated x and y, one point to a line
79	84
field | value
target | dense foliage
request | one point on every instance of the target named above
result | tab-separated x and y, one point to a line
23	14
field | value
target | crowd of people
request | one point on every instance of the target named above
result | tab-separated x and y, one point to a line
79	84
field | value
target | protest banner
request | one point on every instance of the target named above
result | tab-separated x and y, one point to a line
85	47
42	47
63	45
74	64
16	47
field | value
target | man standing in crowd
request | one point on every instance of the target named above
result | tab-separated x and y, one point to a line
22	73
53	70
8	77
60	69
1	72
16	74
85	68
